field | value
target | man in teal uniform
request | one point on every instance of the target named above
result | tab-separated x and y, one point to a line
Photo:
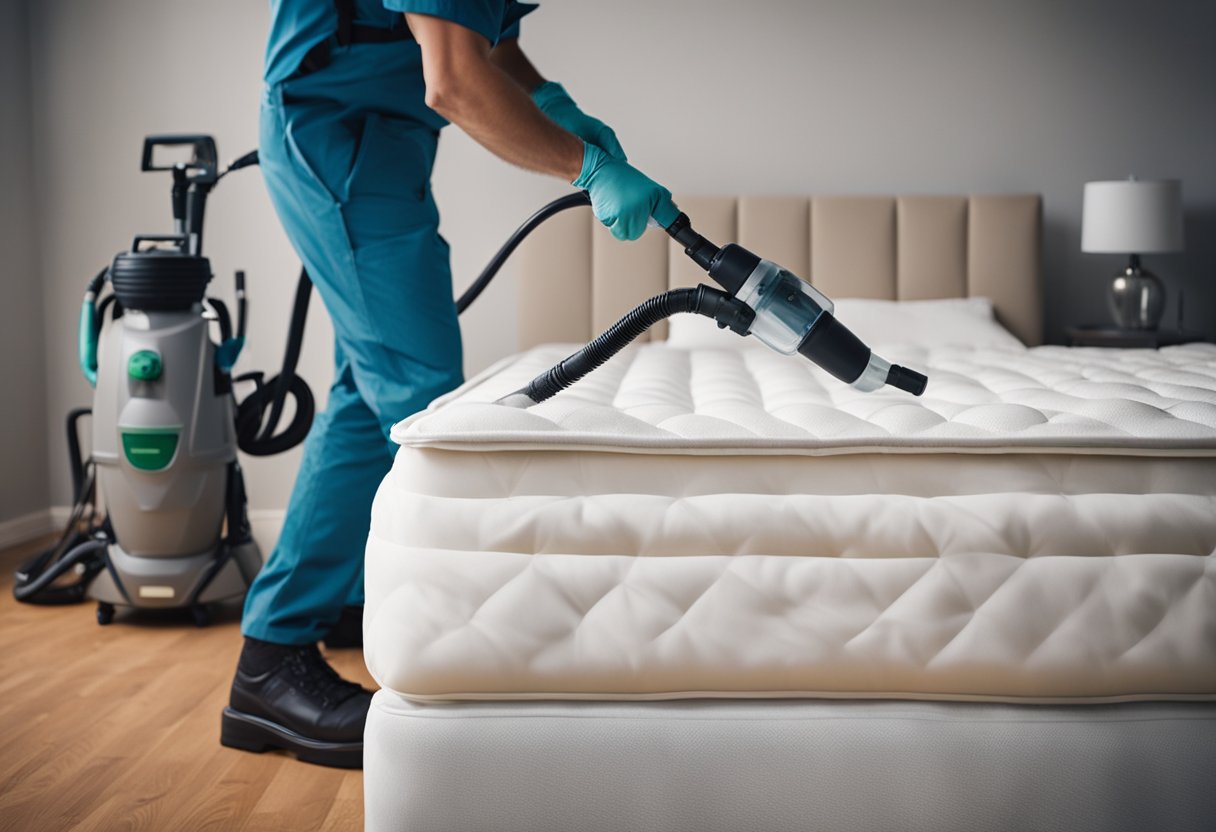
356	93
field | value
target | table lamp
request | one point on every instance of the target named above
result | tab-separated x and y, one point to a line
1133	217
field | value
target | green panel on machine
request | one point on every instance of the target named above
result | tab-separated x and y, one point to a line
149	449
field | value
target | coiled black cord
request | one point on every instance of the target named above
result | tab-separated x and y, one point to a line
258	415
703	300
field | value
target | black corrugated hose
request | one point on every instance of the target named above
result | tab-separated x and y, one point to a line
702	300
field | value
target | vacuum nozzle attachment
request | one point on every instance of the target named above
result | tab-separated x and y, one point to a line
907	380
783	311
791	315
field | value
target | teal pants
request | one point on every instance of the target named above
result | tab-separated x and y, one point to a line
346	154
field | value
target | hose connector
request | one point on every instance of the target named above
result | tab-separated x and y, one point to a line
701	250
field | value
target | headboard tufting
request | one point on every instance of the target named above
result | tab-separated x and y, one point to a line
576	279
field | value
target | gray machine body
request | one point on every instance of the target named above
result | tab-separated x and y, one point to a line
162	448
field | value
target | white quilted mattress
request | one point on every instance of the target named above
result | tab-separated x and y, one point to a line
1039	527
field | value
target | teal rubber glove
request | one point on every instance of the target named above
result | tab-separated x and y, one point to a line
622	197
553	100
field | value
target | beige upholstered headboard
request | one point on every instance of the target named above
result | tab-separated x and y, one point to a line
576	279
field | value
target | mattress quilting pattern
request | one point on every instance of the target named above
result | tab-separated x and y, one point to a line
724	401
556	555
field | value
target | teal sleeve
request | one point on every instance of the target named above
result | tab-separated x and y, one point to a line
515	11
492	19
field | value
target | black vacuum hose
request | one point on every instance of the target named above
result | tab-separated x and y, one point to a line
36	589
75	458
702	300
574	200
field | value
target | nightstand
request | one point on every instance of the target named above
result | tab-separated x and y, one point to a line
1109	336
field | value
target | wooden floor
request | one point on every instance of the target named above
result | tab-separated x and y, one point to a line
117	728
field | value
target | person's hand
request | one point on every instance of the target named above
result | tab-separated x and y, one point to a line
622	197
553	100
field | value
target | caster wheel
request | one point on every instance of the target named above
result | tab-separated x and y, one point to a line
105	613
200	615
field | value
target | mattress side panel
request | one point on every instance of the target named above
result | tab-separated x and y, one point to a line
1039	579
452	624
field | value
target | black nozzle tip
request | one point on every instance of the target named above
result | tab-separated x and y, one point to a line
907	380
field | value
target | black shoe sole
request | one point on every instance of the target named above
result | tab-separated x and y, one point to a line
257	734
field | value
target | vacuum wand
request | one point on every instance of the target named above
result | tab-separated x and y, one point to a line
783	311
791	315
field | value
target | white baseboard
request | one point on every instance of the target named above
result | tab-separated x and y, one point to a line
28	527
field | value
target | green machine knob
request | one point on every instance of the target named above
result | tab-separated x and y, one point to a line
144	365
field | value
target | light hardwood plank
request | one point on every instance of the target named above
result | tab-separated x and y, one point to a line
297	798
117	728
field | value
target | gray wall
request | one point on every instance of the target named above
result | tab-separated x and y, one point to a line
834	96
23	410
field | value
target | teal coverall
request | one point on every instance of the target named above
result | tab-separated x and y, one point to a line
346	151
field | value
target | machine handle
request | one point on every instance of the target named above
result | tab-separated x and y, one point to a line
86	337
203	167
88	329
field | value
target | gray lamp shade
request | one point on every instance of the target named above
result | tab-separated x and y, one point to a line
1132	217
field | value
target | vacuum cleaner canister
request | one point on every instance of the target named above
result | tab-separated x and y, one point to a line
165	426
164	440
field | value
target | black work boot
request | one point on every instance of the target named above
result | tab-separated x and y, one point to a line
288	697
348	631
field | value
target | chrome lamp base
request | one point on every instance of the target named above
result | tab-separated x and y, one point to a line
1137	297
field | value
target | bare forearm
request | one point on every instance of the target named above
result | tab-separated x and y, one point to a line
468	89
499	115
508	57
